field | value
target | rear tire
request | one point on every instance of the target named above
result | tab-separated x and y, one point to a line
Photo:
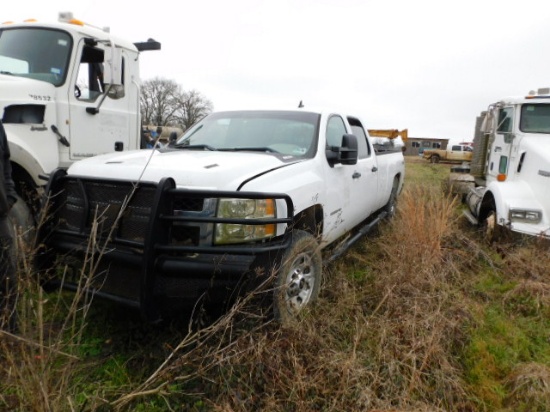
391	206
435	159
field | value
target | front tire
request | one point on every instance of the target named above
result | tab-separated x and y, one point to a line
21	218
298	280
492	231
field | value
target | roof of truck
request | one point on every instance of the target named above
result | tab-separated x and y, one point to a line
541	95
77	26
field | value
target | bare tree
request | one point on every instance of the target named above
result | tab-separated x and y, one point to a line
164	103
193	106
159	101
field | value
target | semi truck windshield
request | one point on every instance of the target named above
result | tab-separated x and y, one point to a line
36	53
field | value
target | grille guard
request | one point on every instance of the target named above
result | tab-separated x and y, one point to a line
141	218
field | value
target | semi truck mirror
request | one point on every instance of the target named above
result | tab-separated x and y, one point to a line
113	66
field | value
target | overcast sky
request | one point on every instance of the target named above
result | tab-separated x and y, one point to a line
428	66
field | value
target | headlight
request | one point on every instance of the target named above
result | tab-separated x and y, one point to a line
529	216
244	209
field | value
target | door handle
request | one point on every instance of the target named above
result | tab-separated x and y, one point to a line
374	169
356	175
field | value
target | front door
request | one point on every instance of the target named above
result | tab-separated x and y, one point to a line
351	189
99	122
499	156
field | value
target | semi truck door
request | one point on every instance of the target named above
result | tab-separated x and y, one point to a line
100	117
500	149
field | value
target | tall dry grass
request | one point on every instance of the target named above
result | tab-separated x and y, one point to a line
41	363
382	336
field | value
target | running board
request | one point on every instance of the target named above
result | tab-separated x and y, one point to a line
365	230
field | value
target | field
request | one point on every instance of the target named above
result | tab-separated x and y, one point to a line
422	316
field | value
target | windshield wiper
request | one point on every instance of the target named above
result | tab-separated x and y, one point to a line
250	149
5	72
196	147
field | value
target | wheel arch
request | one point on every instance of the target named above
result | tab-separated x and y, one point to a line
26	186
23	157
487	205
399	178
310	220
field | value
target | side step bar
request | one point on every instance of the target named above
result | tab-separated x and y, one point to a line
365	230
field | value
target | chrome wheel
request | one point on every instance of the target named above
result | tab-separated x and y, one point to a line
300	282
298	277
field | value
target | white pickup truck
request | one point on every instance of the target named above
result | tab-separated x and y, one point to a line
238	192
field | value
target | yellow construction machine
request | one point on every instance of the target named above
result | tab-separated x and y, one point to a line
389	133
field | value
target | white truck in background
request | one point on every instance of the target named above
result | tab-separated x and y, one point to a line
68	91
240	194
510	169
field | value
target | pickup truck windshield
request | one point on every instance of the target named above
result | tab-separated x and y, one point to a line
287	133
40	54
535	118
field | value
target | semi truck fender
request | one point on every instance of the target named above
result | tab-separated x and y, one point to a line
506	195
495	199
21	155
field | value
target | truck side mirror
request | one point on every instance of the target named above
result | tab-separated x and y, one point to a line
348	152
345	154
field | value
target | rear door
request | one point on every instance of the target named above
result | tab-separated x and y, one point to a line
456	153
366	176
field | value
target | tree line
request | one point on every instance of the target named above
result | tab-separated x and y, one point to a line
165	103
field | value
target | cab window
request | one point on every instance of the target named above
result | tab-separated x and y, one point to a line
90	83
363	147
505	117
335	130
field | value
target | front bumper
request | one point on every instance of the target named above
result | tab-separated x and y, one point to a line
152	242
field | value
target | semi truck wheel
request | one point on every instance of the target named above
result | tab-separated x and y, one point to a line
298	278
21	217
492	231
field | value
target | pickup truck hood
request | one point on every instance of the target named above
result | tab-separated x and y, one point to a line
189	168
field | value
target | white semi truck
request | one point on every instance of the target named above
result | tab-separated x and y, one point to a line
68	91
510	169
